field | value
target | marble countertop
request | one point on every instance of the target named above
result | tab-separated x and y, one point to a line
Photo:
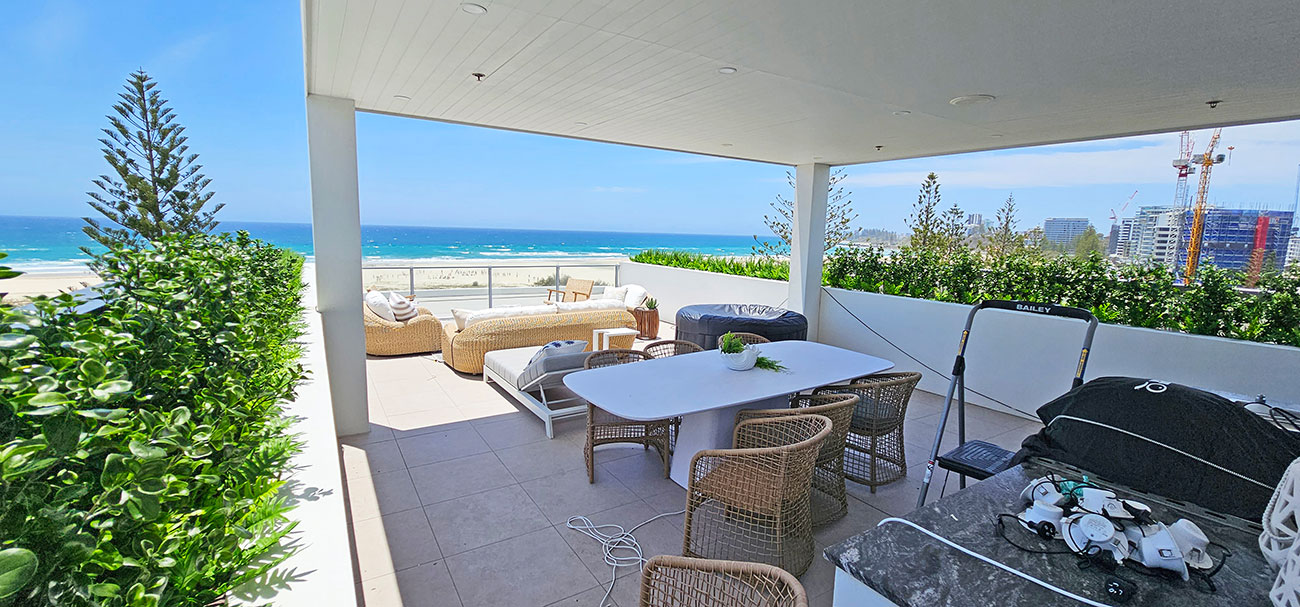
911	569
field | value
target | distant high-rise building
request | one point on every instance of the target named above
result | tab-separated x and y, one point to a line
1153	235
1293	251
974	224
1229	237
1123	242
1063	230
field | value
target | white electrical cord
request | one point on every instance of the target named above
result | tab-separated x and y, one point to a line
611	543
1008	569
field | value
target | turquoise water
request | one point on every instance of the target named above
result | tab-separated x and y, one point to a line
53	243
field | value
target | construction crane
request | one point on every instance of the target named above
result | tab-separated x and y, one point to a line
1114	217
1206	161
1256	265
1183	163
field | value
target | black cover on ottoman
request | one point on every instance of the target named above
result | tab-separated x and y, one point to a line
703	324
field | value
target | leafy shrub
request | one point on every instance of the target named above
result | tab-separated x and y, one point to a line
1136	295
142	448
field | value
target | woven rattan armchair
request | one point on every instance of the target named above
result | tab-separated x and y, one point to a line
874	453
604	428
393	338
575	289
678	581
750	338
829	499
752	503
671	347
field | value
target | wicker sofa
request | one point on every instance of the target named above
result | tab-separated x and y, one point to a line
464	350
419	335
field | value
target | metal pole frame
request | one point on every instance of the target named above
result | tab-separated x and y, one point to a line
957	385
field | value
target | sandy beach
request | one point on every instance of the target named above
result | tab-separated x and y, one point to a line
23	288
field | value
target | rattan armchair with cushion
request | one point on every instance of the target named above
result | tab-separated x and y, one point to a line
384	337
752	502
605	428
678	581
671	347
874	453
829	499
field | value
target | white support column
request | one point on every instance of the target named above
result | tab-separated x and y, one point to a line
808	241
336	238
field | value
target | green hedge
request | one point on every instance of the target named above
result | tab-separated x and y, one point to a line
143	446
1135	295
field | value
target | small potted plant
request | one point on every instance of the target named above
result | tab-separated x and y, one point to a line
647	319
740	356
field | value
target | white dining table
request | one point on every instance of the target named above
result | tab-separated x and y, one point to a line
699	388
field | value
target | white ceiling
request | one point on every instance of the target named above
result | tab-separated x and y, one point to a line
817	80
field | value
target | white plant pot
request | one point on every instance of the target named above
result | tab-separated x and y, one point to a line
741	361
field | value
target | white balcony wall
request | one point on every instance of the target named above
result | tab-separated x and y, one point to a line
1020	359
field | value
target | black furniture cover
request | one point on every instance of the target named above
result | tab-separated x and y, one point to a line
703	324
1167	439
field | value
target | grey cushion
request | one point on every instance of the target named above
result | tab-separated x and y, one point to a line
512	365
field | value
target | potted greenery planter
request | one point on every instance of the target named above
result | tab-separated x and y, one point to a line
739	356
743	360
647	319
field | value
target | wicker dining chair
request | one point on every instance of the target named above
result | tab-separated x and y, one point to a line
874	453
751	338
679	581
829	499
604	428
752	502
672	347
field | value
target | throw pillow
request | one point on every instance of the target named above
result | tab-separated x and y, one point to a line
507	312
461	316
636	295
619	293
378	304
556	348
403	309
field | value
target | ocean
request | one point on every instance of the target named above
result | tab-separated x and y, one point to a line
51	244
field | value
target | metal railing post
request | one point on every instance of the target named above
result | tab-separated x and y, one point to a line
489	286
411	274
557	276
615	275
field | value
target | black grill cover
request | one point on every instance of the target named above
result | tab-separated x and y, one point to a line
1193	421
703	324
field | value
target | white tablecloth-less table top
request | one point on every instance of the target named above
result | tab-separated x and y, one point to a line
691	383
701	390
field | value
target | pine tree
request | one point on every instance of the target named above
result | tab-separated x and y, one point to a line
1004	240
839	214
156	187
926	225
953	228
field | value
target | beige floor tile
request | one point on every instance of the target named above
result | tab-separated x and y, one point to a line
458	441
383	493
427	585
379	432
369	459
642	472
627	591
413	396
825	599
542	458
820	576
568	493
394	542
513	431
480	519
489	409
423	422
533	569
459	477
671	500
588	598
899	498
660	536
861	517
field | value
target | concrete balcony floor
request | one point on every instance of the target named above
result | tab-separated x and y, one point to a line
457	498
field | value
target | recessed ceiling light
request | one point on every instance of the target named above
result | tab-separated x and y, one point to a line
473	9
579	124
996	135
901	112
727	70
817	157
971	99
402	97
726	145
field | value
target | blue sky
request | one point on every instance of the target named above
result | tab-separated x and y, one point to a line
233	73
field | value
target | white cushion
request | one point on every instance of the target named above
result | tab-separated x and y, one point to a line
507	312
636	295
460	315
619	293
556	348
590	304
403	309
378	303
